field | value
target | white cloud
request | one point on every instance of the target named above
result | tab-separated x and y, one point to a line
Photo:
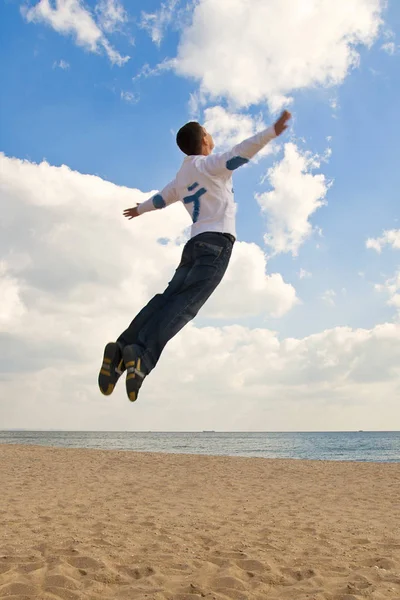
156	23
247	290
333	103
374	244
194	105
296	195
391	288
11	306
147	71
111	15
336	355
265	50
389	47
130	97
303	274
227	378
329	297
61	64
229	128
70	17
390	237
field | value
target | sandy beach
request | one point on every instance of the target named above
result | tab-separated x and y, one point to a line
114	525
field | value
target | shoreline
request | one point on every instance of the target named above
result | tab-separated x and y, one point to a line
198	454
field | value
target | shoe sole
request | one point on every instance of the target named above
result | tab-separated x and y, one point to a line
134	376
108	376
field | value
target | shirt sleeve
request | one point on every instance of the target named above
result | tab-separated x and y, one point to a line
225	163
162	199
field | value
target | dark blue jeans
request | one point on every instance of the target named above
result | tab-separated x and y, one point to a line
204	261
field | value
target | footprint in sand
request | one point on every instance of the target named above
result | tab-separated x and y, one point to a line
208	541
63	593
61	581
85	562
179	566
381	562
228	554
4	567
358	585
101	542
252	565
299	574
18	589
29	567
362	541
228	583
136	573
220	562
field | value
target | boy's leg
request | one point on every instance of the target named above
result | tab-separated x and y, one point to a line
113	364
157	303
211	253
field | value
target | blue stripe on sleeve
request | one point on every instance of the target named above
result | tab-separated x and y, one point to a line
158	201
236	162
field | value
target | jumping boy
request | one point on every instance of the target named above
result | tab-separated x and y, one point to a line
204	185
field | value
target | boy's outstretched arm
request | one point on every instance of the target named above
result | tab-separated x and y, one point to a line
164	198
225	163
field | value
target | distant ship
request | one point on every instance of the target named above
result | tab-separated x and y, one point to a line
208	431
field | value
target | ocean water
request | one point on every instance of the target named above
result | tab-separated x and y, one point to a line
372	446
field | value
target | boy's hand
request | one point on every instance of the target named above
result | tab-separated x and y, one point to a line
281	123
131	213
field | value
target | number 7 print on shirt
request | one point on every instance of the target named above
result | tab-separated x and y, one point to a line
195	198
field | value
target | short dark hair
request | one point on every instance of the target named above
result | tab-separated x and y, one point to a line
189	138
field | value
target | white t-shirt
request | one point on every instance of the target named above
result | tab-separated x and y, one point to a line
204	185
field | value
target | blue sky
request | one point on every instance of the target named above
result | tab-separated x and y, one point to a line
69	105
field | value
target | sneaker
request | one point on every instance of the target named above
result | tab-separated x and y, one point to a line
111	369
134	374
